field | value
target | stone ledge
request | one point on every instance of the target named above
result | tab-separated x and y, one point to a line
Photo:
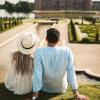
88	73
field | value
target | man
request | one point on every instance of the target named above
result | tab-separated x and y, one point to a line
53	66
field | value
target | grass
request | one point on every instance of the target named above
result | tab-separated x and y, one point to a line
37	20
98	21
92	91
90	30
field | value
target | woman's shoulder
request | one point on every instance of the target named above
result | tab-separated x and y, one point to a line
14	51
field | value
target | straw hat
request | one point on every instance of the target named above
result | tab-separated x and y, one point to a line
26	43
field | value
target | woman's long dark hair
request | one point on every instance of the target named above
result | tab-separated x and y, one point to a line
23	63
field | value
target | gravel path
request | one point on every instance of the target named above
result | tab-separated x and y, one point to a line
11	32
87	56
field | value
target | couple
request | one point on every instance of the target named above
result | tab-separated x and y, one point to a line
53	67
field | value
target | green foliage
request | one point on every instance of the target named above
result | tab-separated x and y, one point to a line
73	31
93	32
97	36
24	7
70	34
21	6
2	6
91	19
85	40
9	6
92	91
6	23
76	23
98	21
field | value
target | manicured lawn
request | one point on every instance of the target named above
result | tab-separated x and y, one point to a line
90	30
92	91
98	21
37	20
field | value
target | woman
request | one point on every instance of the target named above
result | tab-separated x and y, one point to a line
19	77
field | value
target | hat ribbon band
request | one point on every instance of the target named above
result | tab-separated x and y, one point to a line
29	47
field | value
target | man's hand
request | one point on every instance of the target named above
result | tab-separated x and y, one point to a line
35	95
81	97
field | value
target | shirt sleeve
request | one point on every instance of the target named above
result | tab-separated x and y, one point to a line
71	71
37	73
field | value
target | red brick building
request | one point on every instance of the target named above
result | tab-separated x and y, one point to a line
63	4
87	4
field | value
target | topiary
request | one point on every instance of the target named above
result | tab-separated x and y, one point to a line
85	40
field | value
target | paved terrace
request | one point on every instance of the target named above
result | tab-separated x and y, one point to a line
87	56
11	32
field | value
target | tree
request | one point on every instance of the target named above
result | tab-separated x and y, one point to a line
9	6
93	21
82	20
97	36
24	6
73	31
1	27
21	6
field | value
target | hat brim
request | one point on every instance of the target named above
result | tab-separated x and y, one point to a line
27	51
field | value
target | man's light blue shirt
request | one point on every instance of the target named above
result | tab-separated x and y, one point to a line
53	70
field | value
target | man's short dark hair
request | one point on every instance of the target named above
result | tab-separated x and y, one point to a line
53	35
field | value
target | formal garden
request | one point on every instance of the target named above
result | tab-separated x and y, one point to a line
92	30
7	23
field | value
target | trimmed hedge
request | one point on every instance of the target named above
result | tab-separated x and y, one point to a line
7	23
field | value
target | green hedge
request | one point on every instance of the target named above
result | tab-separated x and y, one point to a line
70	36
91	30
7	23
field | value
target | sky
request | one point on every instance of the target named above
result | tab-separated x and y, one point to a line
15	1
